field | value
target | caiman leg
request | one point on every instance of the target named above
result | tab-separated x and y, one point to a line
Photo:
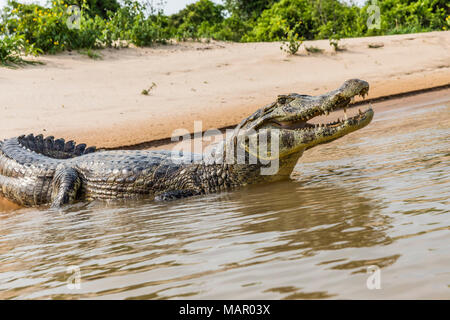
66	184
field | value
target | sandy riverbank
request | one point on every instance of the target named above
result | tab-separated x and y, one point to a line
100	102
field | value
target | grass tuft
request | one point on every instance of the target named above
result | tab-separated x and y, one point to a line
148	91
313	49
91	54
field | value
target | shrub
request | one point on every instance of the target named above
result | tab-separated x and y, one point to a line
248	10
292	43
197	20
285	15
405	16
48	30
334	42
131	23
335	19
103	23
96	7
12	48
231	29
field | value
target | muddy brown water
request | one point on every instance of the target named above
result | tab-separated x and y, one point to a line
378	198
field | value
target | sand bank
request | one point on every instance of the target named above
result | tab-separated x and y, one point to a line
100	102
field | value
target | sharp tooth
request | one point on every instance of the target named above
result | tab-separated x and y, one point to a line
345	114
359	111
327	112
352	100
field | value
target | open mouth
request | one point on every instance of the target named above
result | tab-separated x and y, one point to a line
319	118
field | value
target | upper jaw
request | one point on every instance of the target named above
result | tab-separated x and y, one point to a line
309	107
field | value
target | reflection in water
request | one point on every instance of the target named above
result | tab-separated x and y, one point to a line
379	197
317	218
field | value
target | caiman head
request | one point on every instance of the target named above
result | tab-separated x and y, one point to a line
289	117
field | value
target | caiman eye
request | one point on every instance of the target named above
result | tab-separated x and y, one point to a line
283	99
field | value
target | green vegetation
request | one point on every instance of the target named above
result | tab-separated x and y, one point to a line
248	10
197	20
407	16
34	29
97	7
90	53
313	49
12	48
148	91
293	43
54	29
334	42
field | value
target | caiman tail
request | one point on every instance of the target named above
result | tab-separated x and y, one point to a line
28	165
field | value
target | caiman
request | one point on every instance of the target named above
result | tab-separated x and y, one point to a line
38	171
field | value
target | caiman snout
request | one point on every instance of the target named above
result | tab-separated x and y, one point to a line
353	87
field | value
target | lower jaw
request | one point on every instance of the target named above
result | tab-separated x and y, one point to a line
326	134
